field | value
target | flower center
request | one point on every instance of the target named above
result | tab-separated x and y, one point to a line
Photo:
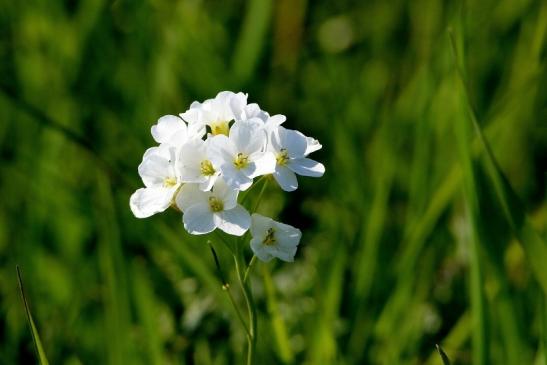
216	204
207	168
169	182
220	127
282	157
241	161
269	240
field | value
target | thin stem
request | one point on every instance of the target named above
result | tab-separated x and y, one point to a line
260	195
226	288
245	195
249	267
251	309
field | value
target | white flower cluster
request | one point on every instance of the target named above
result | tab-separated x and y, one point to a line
210	153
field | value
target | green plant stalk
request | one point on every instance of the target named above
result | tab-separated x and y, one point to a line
226	288
251	308
478	314
35	336
249	268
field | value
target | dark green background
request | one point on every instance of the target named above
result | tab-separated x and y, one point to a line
405	241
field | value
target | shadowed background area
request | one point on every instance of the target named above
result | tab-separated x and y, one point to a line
415	236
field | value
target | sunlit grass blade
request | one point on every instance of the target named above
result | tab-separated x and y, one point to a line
35	336
277	322
443	356
543	332
147	313
251	39
457	337
473	216
534	246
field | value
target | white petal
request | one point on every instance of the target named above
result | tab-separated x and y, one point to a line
248	136
264	164
221	149
235	178
237	104
199	219
191	154
196	130
288	236
313	145
207	185
235	221
146	202
157	164
261	251
293	141
307	167
227	194
260	224
285	178
166	127
254	111
286	255
276	120
190	195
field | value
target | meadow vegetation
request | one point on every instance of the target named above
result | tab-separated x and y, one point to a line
428	227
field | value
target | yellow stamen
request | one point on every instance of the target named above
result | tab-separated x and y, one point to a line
241	161
283	157
220	127
207	168
269	240
169	182
216	204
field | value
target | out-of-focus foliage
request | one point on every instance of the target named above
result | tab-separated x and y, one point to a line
406	242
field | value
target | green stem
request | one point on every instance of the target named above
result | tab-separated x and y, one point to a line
226	288
259	198
249	267
245	194
251	309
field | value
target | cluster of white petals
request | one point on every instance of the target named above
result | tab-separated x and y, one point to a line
210	153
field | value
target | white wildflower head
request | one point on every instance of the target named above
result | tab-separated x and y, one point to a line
242	155
216	113
290	149
161	180
172	130
197	165
204	211
210	153
273	239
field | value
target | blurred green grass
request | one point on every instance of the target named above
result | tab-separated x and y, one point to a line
417	234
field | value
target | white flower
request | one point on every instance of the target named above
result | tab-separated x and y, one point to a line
290	149
241	156
204	211
216	113
273	239
161	180
172	130
196	164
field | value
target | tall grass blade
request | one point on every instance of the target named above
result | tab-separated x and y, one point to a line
446	360
277	322
534	246
478	303
35	336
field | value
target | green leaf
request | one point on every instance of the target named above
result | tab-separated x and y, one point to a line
35	336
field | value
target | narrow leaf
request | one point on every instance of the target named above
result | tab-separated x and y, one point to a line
35	336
